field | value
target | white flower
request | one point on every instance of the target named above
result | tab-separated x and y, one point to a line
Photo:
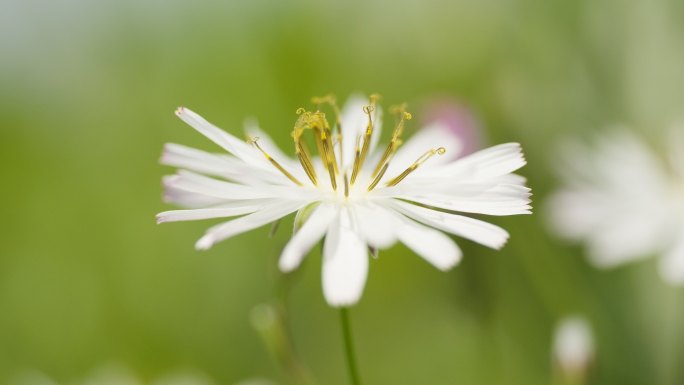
356	196
573	345
625	201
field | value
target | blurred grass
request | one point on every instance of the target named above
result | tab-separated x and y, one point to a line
87	91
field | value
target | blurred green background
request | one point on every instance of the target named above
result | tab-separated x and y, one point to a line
87	94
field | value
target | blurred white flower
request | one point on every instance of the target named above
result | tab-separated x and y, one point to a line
573	346
624	200
354	195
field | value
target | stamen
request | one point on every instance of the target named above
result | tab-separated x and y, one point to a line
422	159
328	155
323	137
302	152
361	156
357	159
395	142
378	177
332	102
275	163
346	186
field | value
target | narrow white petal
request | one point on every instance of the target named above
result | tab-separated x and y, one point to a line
345	263
489	163
671	265
433	245
376	225
187	199
221	165
229	143
246	223
513	179
478	231
207	186
178	155
228	210
498	199
306	237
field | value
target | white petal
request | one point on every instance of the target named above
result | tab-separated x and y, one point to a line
489	163
189	199
180	156
207	186
227	210
671	265
376	225
498	199
230	143
345	263
248	222
433	245
225	166
306	237
253	158
478	231
513	179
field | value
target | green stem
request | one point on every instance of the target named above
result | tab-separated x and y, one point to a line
349	347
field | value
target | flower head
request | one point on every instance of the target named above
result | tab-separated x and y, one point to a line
625	201
573	347
355	194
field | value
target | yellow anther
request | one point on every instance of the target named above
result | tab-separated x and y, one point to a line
363	152
302	151
422	159
346	186
378	177
317	122
300	110
358	162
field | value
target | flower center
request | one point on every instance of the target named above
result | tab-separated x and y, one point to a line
344	182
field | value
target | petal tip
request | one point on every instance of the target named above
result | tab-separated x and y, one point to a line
340	303
205	243
286	266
